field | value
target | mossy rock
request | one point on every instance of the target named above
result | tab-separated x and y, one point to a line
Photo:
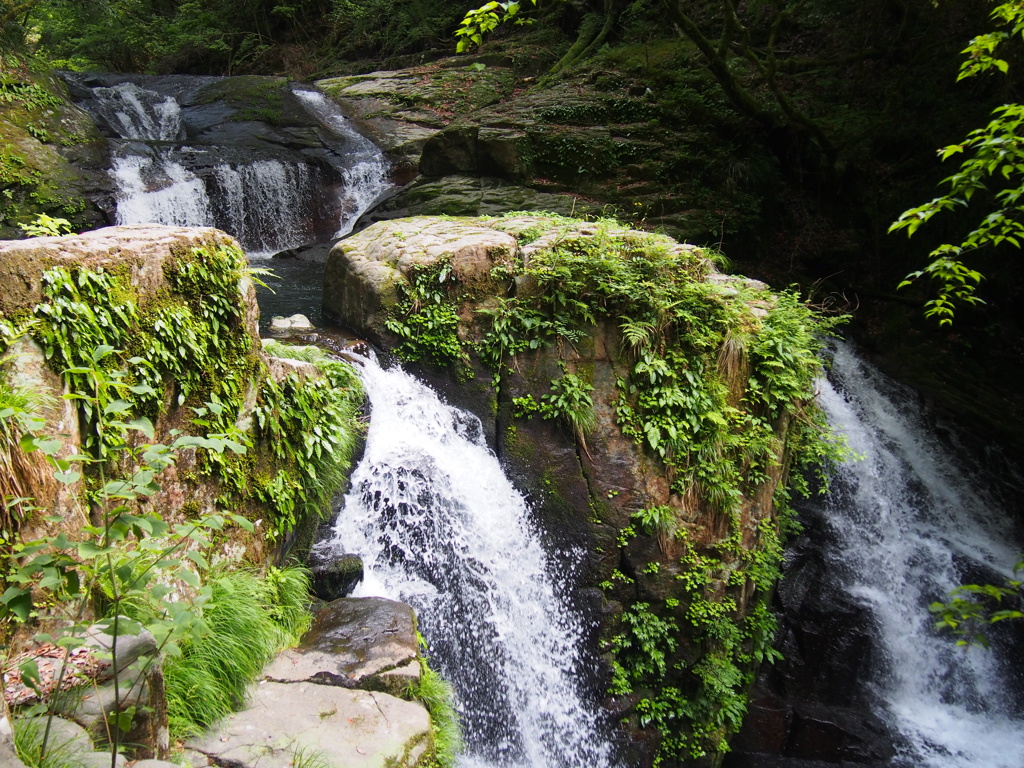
47	147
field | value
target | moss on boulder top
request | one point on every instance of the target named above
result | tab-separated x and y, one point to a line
47	147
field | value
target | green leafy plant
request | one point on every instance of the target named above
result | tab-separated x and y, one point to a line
971	608
992	170
43	226
436	695
127	557
569	400
426	319
247	618
310	428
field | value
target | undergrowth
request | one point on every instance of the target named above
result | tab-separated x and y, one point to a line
190	341
248	618
436	695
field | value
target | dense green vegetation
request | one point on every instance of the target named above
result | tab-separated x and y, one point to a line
180	360
225	36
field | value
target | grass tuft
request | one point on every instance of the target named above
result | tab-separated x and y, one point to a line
436	694
249	619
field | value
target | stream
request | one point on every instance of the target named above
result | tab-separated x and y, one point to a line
439	526
911	519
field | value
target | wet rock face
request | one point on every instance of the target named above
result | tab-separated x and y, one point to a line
812	708
336	576
367	642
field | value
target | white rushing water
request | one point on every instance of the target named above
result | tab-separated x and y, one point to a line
440	527
160	191
367	172
269	204
908	518
139	113
265	203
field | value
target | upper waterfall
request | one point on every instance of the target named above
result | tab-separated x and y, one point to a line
275	180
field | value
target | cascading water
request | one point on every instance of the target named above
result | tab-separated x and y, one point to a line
366	175
908	520
440	527
172	169
139	113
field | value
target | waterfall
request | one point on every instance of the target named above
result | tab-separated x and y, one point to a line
158	189
266	188
908	520
139	113
440	527
267	201
366	177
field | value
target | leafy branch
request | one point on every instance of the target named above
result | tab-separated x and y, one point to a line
992	169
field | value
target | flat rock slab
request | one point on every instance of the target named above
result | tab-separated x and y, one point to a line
355	729
352	640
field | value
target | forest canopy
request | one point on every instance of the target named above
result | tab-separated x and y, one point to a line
223	36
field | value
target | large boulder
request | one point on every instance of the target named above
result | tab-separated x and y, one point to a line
181	300
404	109
367	643
585	348
284	722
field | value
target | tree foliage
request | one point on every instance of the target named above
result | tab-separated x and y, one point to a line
991	170
228	36
972	607
757	52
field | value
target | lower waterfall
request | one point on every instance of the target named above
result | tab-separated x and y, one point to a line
439	526
913	525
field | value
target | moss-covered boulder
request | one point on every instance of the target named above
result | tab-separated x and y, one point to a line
161	322
650	406
50	151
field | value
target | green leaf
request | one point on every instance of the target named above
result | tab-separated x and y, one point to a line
101	351
67	477
18	602
29	670
88	550
143	425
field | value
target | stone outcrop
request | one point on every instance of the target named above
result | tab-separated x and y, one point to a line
94	690
343	697
338	696
52	155
367	643
140	260
589	490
